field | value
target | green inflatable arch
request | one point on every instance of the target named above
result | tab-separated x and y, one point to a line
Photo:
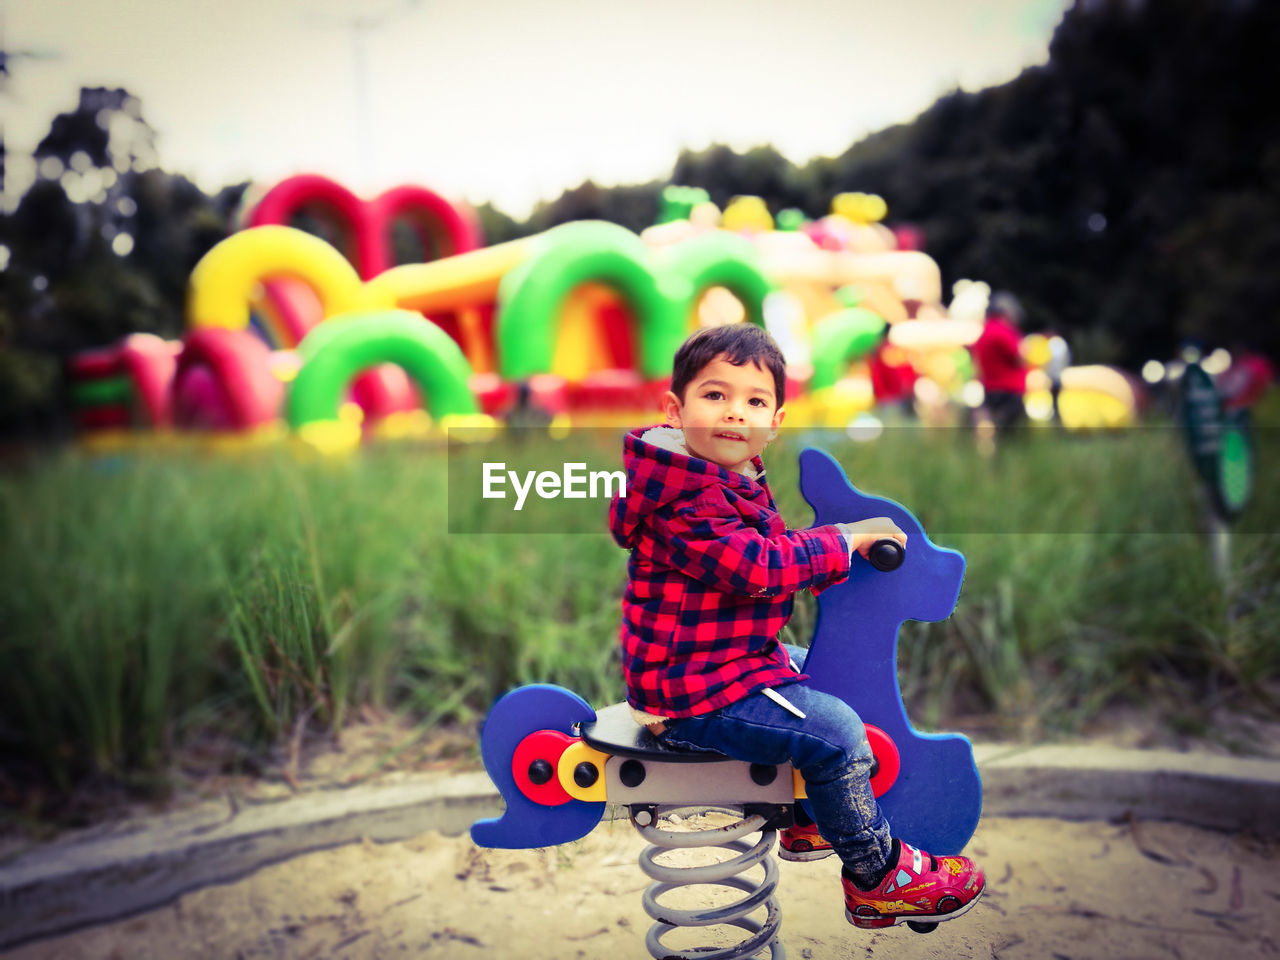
531	296
343	346
839	339
716	260
661	289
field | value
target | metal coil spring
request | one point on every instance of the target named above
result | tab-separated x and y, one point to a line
725	874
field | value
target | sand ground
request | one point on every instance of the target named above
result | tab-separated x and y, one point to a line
1055	889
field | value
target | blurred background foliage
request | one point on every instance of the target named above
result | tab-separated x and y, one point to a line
1128	190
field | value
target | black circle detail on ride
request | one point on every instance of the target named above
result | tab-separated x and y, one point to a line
631	773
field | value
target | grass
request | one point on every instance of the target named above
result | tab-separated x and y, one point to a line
151	598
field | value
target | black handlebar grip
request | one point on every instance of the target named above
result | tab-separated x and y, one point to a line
886	554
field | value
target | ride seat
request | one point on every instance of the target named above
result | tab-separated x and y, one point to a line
642	772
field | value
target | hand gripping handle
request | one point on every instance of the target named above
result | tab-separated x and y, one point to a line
886	554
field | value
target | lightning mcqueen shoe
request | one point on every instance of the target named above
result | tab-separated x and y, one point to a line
803	843
920	891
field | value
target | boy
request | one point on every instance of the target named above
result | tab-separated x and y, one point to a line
709	586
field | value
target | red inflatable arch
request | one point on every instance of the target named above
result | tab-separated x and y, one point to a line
443	229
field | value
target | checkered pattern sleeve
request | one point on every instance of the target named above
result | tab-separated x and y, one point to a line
709	541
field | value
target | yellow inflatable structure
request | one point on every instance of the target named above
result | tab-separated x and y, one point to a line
1095	397
224	284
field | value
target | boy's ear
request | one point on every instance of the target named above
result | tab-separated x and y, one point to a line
778	416
671	409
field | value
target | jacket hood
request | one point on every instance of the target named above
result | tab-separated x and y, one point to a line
660	469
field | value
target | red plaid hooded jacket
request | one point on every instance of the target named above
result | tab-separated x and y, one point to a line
710	578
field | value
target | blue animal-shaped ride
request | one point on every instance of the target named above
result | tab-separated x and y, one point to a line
557	762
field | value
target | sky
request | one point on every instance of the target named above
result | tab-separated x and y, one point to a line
501	101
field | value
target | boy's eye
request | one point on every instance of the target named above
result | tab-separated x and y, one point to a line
759	401
712	395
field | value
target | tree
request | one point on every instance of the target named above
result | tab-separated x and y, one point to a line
99	247
634	207
1126	190
760	172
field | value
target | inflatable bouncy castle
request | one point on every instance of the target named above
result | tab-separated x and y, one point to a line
388	317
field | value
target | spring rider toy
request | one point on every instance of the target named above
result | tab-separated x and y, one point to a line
557	761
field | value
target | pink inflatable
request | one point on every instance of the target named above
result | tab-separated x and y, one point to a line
150	363
224	382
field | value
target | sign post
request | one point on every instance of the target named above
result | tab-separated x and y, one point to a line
1222	452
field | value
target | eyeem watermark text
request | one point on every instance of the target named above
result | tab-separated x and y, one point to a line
573	482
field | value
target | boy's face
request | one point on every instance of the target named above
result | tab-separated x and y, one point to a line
728	413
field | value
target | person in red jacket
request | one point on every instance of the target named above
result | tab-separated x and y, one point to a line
1247	380
711	578
893	380
1001	369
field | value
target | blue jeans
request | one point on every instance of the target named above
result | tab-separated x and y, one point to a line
829	748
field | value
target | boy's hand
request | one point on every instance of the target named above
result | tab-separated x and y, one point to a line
864	533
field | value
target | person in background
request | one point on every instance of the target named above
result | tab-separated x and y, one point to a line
1059	360
893	380
1247	380
1001	369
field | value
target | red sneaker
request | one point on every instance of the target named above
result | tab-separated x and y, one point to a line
920	890
803	843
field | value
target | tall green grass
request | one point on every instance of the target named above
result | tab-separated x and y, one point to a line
1088	581
148	598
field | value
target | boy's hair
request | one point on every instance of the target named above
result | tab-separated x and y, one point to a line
740	343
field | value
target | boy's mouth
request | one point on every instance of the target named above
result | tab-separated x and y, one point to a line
730	435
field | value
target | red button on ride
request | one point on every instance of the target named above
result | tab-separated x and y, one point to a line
533	765
887	759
